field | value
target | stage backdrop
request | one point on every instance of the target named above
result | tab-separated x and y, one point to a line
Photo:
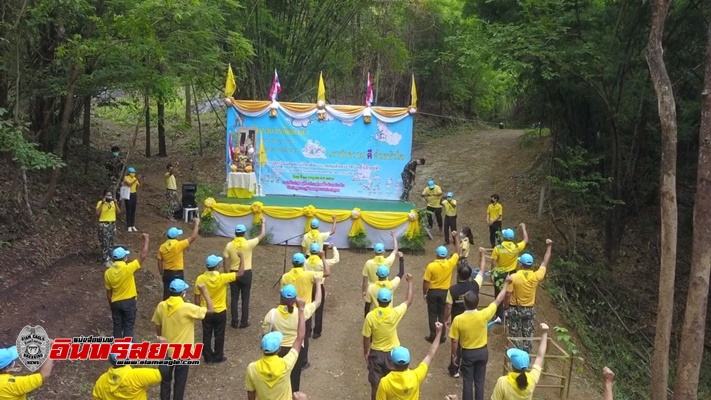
340	156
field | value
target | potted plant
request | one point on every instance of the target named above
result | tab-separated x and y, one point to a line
359	243
207	225
256	229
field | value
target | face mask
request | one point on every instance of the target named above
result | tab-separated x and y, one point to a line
492	200
115	154
109	198
132	174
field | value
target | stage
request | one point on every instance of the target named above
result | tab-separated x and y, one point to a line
288	216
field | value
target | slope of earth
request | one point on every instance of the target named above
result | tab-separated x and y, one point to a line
69	299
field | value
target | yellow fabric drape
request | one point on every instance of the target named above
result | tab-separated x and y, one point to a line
260	105
391	112
252	105
298	107
413	229
357	226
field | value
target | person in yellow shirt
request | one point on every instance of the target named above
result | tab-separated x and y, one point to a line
170	255
214	324
383	282
241	288
436	283
122	382
504	260
315	263
283	319
380	334
371	266
175	321
469	330
466	240
269	377
449	204
433	196
494	214
120	285
522	296
171	193
106	210
403	383
314	236
520	383
131	181
14	387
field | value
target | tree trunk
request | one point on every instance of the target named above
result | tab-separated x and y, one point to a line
86	131
667	192
188	107
161	130
4	91
692	333
147	107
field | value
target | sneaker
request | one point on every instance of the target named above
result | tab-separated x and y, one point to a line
134	229
497	320
130	229
220	360
244	325
456	375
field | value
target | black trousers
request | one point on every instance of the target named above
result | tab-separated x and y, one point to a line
296	372
493	228
473	372
379	365
240	288
438	216
123	315
305	350
454	368
318	316
214	326
177	373
436	300
450	224
168	276
131	204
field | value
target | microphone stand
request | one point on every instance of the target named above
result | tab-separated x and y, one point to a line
286	246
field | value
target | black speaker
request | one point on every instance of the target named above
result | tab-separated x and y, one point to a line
188	197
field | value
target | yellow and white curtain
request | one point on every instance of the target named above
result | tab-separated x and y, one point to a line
257	108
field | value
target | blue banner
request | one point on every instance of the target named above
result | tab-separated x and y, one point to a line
329	158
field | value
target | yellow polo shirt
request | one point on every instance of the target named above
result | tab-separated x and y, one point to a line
439	272
108	211
402	385
494	211
170	181
171	252
303	280
434	196
177	319
381	326
506	255
450	207
120	280
507	389
270	376
314	236
523	286
314	263
129	180
216	286
464	245
478	281
243	245
125	383
370	268
17	387
374	288
470	327
279	319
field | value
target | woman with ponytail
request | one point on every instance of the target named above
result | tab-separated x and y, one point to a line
467	238
520	383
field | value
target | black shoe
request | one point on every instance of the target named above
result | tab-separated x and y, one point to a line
219	360
316	336
429	339
208	361
306	366
244	325
234	324
442	339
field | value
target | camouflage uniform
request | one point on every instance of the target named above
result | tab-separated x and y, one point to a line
114	165
107	230
520	322
173	204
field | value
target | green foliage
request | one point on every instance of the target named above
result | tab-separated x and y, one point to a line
256	229
24	152
205	190
359	241
417	243
207	225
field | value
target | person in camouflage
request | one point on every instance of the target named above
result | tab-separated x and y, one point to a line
106	210
114	166
408	177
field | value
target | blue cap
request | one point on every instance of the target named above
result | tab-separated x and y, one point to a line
131	170
519	359
271	342
288	292
178	286
383	271
240	228
298	259
315	248
174	232
379	248
7	356
385	295
442	251
431	184
507	233
526	259
314	223
120	253
400	355
213	261
450	195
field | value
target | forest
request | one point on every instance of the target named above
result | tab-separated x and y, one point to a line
622	86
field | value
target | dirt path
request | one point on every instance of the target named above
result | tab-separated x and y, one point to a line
69	301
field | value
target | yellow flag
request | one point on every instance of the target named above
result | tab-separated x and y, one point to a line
230	84
413	92
321	89
262	153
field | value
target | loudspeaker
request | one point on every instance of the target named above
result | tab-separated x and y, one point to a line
188	197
